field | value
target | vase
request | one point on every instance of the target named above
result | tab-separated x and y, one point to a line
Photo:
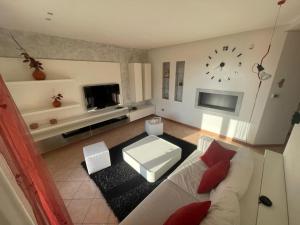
34	126
56	103
38	74
53	121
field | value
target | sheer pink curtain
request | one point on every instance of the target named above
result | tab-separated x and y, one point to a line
30	171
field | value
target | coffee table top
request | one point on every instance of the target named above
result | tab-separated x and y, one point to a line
152	152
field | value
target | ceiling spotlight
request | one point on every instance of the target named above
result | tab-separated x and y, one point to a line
50	13
48	19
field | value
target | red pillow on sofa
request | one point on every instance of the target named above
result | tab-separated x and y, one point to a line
213	176
216	153
191	214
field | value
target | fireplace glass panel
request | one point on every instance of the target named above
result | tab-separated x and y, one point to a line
220	101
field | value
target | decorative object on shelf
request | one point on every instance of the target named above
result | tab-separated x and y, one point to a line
223	63
34	126
57	100
53	121
37	74
133	108
155	120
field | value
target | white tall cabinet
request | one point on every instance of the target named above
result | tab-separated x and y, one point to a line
147	92
140	81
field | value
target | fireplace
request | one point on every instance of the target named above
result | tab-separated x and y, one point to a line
219	101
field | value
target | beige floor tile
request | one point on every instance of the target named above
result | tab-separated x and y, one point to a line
62	174
78	174
78	209
67	202
67	189
112	219
86	190
99	212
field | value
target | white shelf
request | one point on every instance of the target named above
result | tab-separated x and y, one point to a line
75	122
37	81
48	109
141	112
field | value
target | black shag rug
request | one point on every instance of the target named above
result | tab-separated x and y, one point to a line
124	188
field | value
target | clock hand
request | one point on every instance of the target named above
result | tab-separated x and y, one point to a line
217	67
221	65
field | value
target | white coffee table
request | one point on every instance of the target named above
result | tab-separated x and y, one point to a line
152	156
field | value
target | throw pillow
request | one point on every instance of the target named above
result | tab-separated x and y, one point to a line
191	214
216	153
213	176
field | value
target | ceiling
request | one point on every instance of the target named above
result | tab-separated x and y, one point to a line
143	23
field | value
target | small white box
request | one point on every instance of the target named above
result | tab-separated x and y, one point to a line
96	157
154	129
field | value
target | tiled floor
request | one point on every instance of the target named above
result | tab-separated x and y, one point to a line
83	199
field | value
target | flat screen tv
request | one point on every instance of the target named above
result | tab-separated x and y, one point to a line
101	96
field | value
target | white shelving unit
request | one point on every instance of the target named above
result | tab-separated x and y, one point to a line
140	81
141	112
49	109
75	122
29	82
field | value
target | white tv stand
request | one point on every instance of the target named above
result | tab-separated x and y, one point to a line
76	122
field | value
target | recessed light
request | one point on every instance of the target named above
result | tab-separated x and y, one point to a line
50	13
48	19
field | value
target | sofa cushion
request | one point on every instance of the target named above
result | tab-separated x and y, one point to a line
239	174
188	179
216	153
213	176
191	214
159	205
224	210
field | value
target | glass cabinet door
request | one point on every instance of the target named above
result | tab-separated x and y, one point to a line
165	80
179	80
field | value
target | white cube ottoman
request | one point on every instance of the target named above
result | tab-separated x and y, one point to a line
154	129
96	157
152	156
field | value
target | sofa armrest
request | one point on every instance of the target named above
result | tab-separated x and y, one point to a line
203	143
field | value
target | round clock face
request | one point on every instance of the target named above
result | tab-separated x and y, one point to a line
224	63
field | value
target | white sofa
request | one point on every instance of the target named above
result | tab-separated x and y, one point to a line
275	175
180	188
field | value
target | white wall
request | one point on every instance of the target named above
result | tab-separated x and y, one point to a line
276	120
32	96
195	56
51	47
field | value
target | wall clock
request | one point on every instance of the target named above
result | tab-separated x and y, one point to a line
224	63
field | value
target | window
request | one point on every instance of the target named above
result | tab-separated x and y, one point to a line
179	80
166	79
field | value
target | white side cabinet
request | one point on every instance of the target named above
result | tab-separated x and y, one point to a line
147	93
140	81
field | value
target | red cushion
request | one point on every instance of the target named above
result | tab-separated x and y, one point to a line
191	214
213	176
216	153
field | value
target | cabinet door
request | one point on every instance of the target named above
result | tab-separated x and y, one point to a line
147	86
136	82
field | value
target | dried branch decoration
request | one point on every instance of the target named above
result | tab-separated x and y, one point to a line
33	63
